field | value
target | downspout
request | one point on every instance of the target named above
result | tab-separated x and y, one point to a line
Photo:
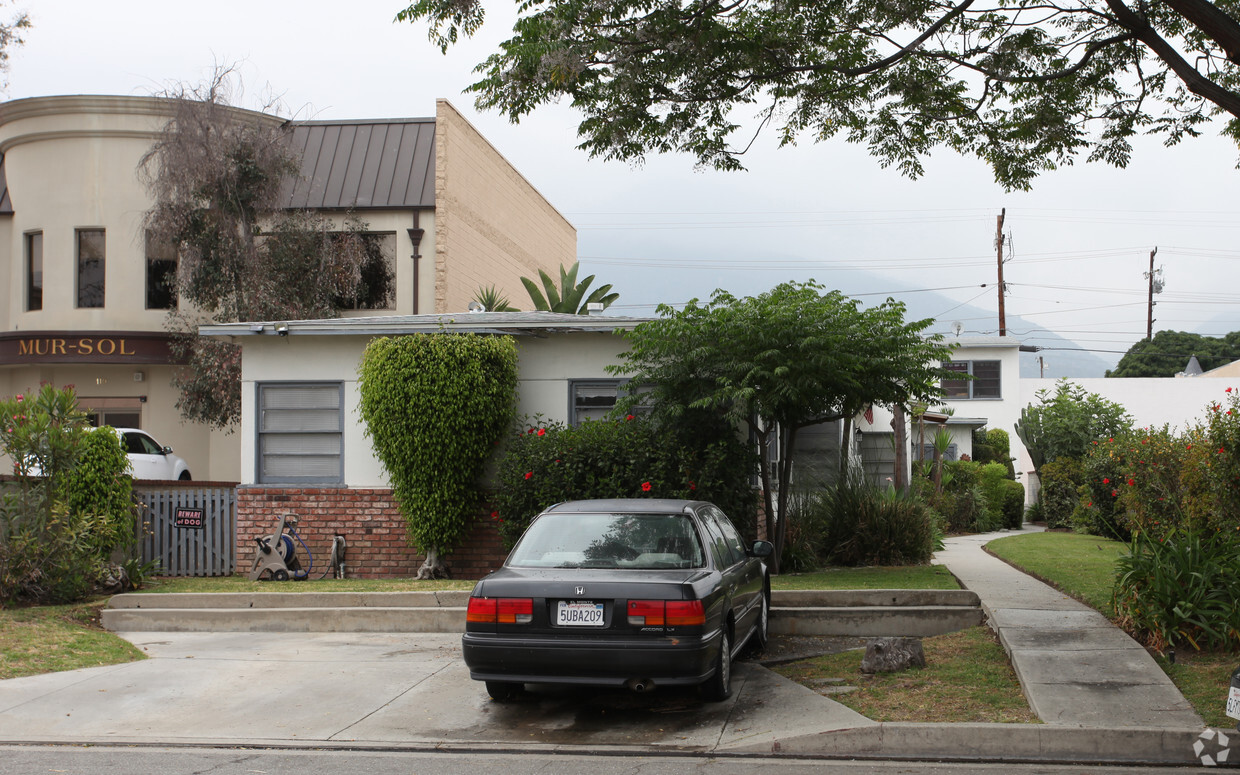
415	236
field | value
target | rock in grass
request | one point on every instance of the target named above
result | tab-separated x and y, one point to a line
891	655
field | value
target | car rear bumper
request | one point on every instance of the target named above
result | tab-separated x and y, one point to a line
601	662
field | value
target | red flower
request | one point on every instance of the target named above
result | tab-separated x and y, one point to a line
1228	390
531	430
645	486
1190	446
692	486
494	515
1114	493
1131	482
1221	450
1111	439
1089	504
542	431
1106	481
628	417
529	474
1145	441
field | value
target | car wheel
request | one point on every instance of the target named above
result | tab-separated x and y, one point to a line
502	691
719	686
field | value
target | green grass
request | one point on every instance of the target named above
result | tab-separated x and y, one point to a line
241	583
1204	679
48	639
967	678
1080	565
891	577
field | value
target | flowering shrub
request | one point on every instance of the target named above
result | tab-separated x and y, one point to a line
1157	480
697	457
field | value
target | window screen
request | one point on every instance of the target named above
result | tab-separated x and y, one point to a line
301	432
90	264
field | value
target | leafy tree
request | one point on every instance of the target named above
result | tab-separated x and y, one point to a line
781	361
1168	353
1025	86
11	31
570	298
1067	423
435	405
216	176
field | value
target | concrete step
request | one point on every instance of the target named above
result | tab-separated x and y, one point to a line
811	612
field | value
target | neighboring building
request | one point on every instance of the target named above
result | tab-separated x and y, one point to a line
84	304
989	393
311	457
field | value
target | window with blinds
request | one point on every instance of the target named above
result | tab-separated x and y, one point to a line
983	380
301	432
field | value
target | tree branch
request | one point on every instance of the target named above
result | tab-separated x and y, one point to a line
1214	22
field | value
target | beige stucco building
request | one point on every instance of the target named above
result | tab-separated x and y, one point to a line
80	304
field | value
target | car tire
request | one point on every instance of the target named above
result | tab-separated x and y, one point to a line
503	691
762	628
184	477
719	686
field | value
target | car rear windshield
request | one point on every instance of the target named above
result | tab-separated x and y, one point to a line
637	541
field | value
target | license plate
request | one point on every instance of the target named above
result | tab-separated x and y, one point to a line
579	613
1233	703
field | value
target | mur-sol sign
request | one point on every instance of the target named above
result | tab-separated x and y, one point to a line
18	347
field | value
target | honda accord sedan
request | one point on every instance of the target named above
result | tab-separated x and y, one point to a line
631	593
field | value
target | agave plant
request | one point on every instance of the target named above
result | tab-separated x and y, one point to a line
570	297
493	301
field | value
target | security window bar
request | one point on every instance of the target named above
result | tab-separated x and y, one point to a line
91	245
34	271
301	433
985	382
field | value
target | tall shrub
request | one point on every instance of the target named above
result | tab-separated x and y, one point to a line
696	456
53	549
434	406
1060	480
101	486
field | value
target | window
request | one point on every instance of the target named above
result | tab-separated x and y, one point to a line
376	288
114	411
34	271
301	432
593	399
985	382
161	274
90	264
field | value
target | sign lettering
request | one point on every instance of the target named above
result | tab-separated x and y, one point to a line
190	519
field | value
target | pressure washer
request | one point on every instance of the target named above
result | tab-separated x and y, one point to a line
277	554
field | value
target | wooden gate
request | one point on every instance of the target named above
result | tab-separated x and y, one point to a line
189	527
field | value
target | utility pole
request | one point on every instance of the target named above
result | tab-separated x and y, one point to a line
1149	326
999	246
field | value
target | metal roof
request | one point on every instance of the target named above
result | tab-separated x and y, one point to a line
506	323
380	164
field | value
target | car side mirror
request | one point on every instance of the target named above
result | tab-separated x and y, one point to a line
762	549
167	450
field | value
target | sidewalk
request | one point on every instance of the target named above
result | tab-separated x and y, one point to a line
1102	701
1076	668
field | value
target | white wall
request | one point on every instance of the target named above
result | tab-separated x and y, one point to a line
545	367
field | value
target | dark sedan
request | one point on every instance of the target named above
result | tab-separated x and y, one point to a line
635	593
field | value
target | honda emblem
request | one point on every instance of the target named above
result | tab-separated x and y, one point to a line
579	590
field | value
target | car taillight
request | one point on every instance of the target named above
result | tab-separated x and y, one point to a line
666	613
501	610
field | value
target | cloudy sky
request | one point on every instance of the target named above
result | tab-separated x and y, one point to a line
663	232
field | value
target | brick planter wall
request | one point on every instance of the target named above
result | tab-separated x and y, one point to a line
371	524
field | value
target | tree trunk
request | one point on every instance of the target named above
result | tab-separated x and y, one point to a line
433	567
845	446
900	477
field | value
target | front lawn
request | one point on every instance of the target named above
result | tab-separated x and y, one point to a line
48	639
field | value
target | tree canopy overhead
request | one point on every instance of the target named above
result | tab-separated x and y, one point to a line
781	361
1024	85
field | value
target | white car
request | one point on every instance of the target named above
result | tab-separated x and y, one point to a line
149	458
